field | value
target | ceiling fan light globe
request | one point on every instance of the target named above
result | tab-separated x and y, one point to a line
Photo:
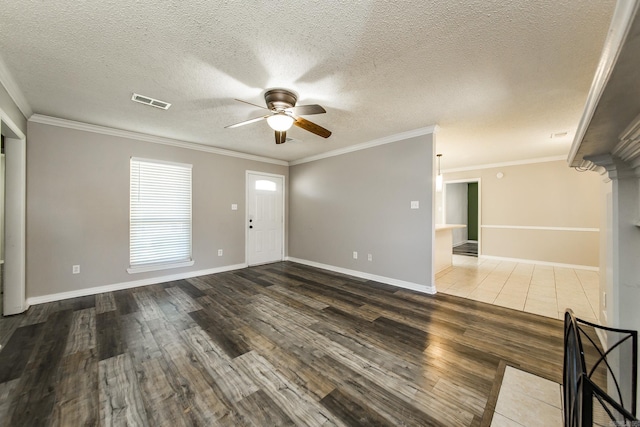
280	122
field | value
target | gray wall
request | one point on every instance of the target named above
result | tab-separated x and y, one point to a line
78	207
11	109
361	202
457	210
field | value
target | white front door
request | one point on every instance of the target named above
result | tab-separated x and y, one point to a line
265	218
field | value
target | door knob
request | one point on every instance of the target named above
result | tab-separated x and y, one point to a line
251	226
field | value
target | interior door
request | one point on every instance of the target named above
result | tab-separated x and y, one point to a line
265	218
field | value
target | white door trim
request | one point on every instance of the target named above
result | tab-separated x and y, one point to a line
14	300
246	211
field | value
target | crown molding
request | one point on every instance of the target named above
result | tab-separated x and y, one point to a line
628	148
6	79
70	124
587	165
615	167
366	145
6	121
621	23
505	164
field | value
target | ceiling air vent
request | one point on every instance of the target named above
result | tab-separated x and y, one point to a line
559	135
150	101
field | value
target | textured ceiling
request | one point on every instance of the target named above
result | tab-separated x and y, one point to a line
498	77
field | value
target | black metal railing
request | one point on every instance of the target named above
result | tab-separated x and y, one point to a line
599	385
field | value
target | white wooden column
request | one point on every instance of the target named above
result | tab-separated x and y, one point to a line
15	226
15	146
622	255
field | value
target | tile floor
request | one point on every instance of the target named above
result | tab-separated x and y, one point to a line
527	400
533	288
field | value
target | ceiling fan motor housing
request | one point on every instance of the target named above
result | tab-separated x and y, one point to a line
280	99
281	103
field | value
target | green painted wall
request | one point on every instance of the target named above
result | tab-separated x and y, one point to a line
472	211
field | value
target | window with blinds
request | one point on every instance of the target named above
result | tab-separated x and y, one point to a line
160	215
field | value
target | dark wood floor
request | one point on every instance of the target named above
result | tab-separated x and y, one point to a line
280	344
468	249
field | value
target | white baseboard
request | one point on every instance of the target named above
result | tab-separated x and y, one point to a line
388	280
127	285
533	261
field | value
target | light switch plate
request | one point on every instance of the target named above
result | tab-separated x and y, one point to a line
234	207
415	204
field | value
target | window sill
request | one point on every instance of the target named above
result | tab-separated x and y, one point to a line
155	267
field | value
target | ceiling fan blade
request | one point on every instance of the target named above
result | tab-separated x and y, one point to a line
312	127
255	105
246	122
281	137
305	110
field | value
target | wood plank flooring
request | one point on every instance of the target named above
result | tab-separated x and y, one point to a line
276	345
467	249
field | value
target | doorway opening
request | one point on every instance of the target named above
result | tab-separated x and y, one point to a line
462	206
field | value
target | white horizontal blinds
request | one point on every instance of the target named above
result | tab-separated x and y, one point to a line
160	223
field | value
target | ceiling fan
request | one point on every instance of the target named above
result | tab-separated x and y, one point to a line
283	113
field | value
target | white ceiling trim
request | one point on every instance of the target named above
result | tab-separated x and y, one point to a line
505	164
365	145
6	79
628	149
5	120
70	124
618	30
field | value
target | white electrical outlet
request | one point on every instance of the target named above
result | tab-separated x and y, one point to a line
220	252
355	255
234	207
75	269
370	257
415	204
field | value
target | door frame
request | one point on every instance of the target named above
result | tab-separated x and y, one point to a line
444	204
14	299
246	211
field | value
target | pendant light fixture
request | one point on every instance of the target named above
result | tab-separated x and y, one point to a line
439	176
